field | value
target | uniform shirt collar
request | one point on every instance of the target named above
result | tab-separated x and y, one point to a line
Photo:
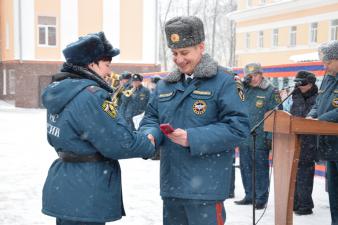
186	76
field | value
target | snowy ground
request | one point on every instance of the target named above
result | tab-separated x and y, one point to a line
25	157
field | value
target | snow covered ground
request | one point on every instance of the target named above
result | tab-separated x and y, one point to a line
25	157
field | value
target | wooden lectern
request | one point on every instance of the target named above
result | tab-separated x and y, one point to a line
286	146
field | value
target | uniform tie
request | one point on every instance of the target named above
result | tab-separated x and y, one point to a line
188	80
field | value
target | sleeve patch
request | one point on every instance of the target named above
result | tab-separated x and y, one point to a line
109	108
278	98
240	90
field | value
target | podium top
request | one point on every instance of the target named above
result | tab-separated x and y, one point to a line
283	122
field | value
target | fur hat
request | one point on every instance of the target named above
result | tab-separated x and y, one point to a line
184	31
305	77
252	68
155	79
136	77
328	51
125	75
88	49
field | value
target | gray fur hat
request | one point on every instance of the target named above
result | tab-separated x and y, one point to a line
184	31
252	68
328	51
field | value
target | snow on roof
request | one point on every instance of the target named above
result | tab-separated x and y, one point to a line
308	57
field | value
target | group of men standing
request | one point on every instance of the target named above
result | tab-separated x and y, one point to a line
207	113
308	101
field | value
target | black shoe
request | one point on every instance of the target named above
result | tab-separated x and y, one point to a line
303	211
231	195
260	206
244	201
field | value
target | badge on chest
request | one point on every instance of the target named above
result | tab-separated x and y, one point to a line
335	102
199	107
260	101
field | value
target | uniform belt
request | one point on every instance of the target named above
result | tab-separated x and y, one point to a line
74	158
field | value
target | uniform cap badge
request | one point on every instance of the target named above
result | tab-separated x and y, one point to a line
251	68
175	38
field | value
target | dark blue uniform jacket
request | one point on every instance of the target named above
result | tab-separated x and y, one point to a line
326	108
215	119
78	121
260	100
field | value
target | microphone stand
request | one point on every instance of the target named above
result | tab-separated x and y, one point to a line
253	133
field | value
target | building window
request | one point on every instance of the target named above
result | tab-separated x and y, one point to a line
313	32
334	29
275	38
261	39
4	82
247	40
11	82
47	30
293	36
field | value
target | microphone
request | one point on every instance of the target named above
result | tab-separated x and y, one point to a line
301	83
247	80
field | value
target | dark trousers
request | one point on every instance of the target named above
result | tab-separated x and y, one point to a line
304	185
332	183
262	173
192	212
69	222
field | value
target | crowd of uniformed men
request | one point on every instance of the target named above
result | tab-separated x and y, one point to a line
211	111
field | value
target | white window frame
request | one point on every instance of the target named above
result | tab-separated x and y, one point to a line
260	39
46	27
313	33
334	30
4	80
275	36
293	36
247	40
11	82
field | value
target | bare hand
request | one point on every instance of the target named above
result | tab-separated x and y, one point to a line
151	139
179	137
310	118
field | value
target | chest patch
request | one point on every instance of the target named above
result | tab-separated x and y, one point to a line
259	103
335	102
199	107
109	108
